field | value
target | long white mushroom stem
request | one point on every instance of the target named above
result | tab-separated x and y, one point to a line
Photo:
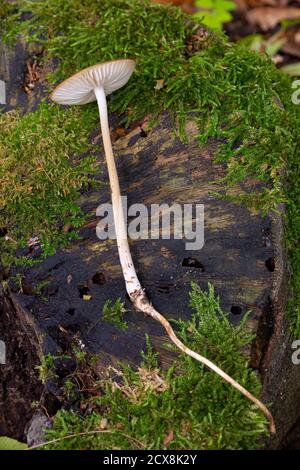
133	286
130	276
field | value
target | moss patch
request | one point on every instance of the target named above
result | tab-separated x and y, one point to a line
39	181
234	94
141	408
114	312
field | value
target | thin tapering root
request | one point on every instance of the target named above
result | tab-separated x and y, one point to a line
142	304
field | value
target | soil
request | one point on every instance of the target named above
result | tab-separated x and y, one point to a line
20	386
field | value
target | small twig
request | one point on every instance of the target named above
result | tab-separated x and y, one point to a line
86	433
69	436
30	69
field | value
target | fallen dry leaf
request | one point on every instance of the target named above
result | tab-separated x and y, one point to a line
246	4
32	75
66	228
297	37
103	424
277	59
292	43
186	5
120	131
159	84
169	438
291	48
267	17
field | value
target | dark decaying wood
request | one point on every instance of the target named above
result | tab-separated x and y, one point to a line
154	167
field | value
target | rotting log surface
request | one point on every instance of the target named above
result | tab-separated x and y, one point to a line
153	168
19	383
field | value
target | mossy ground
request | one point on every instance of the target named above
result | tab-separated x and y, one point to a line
139	409
233	94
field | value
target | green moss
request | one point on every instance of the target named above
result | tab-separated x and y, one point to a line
144	406
46	369
233	94
39	178
113	313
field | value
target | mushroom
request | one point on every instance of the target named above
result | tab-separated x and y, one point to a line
94	83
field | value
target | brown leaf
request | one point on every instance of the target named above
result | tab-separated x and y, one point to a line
267	17
159	84
186	5
260	3
277	59
291	48
169	438
103	424
66	228
120	131
297	37
175	2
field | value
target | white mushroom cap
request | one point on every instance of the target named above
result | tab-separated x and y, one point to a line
79	89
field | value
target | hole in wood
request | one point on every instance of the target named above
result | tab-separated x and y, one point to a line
99	278
270	264
164	286
236	310
192	263
83	290
143	133
71	311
